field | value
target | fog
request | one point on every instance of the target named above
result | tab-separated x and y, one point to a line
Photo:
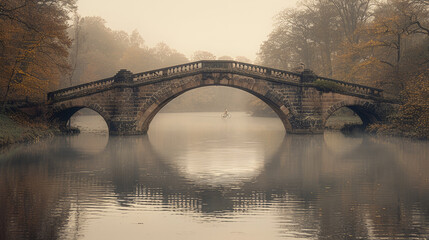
223	27
235	29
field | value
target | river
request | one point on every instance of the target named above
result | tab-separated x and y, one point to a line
198	176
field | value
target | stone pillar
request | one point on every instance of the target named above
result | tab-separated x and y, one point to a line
123	127
123	76
123	121
308	76
308	120
307	125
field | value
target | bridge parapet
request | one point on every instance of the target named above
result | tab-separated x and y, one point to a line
100	84
266	71
218	65
163	72
233	67
352	87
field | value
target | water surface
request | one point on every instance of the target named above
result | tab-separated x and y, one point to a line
197	176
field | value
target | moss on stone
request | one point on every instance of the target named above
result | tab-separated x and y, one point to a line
328	86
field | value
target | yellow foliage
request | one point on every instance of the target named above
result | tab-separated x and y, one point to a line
34	47
414	113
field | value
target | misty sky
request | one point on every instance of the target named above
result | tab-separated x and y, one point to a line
223	27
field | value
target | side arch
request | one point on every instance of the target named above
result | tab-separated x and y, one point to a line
163	96
367	111
61	114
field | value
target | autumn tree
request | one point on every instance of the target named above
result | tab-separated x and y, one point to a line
33	46
243	59
167	56
391	46
102	51
202	55
352	15
306	35
289	43
376	43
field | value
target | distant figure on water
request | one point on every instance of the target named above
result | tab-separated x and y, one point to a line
226	114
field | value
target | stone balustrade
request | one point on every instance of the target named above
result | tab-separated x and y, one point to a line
100	84
213	66
354	88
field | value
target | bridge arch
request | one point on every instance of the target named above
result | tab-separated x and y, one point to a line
162	97
366	111
62	114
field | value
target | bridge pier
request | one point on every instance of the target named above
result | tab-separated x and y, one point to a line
307	125
123	128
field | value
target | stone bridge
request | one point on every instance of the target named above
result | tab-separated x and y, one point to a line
303	101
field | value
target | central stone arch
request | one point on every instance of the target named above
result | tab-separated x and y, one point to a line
261	89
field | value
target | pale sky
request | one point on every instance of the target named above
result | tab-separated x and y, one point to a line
222	27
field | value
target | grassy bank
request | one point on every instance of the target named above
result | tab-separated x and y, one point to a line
396	130
18	127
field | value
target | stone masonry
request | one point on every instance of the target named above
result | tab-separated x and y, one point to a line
128	102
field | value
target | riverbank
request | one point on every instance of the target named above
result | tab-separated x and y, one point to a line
18	128
396	130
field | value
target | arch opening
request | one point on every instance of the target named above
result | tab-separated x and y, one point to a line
350	118
81	119
215	99
193	137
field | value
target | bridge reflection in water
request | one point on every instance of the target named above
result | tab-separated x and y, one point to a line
299	187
